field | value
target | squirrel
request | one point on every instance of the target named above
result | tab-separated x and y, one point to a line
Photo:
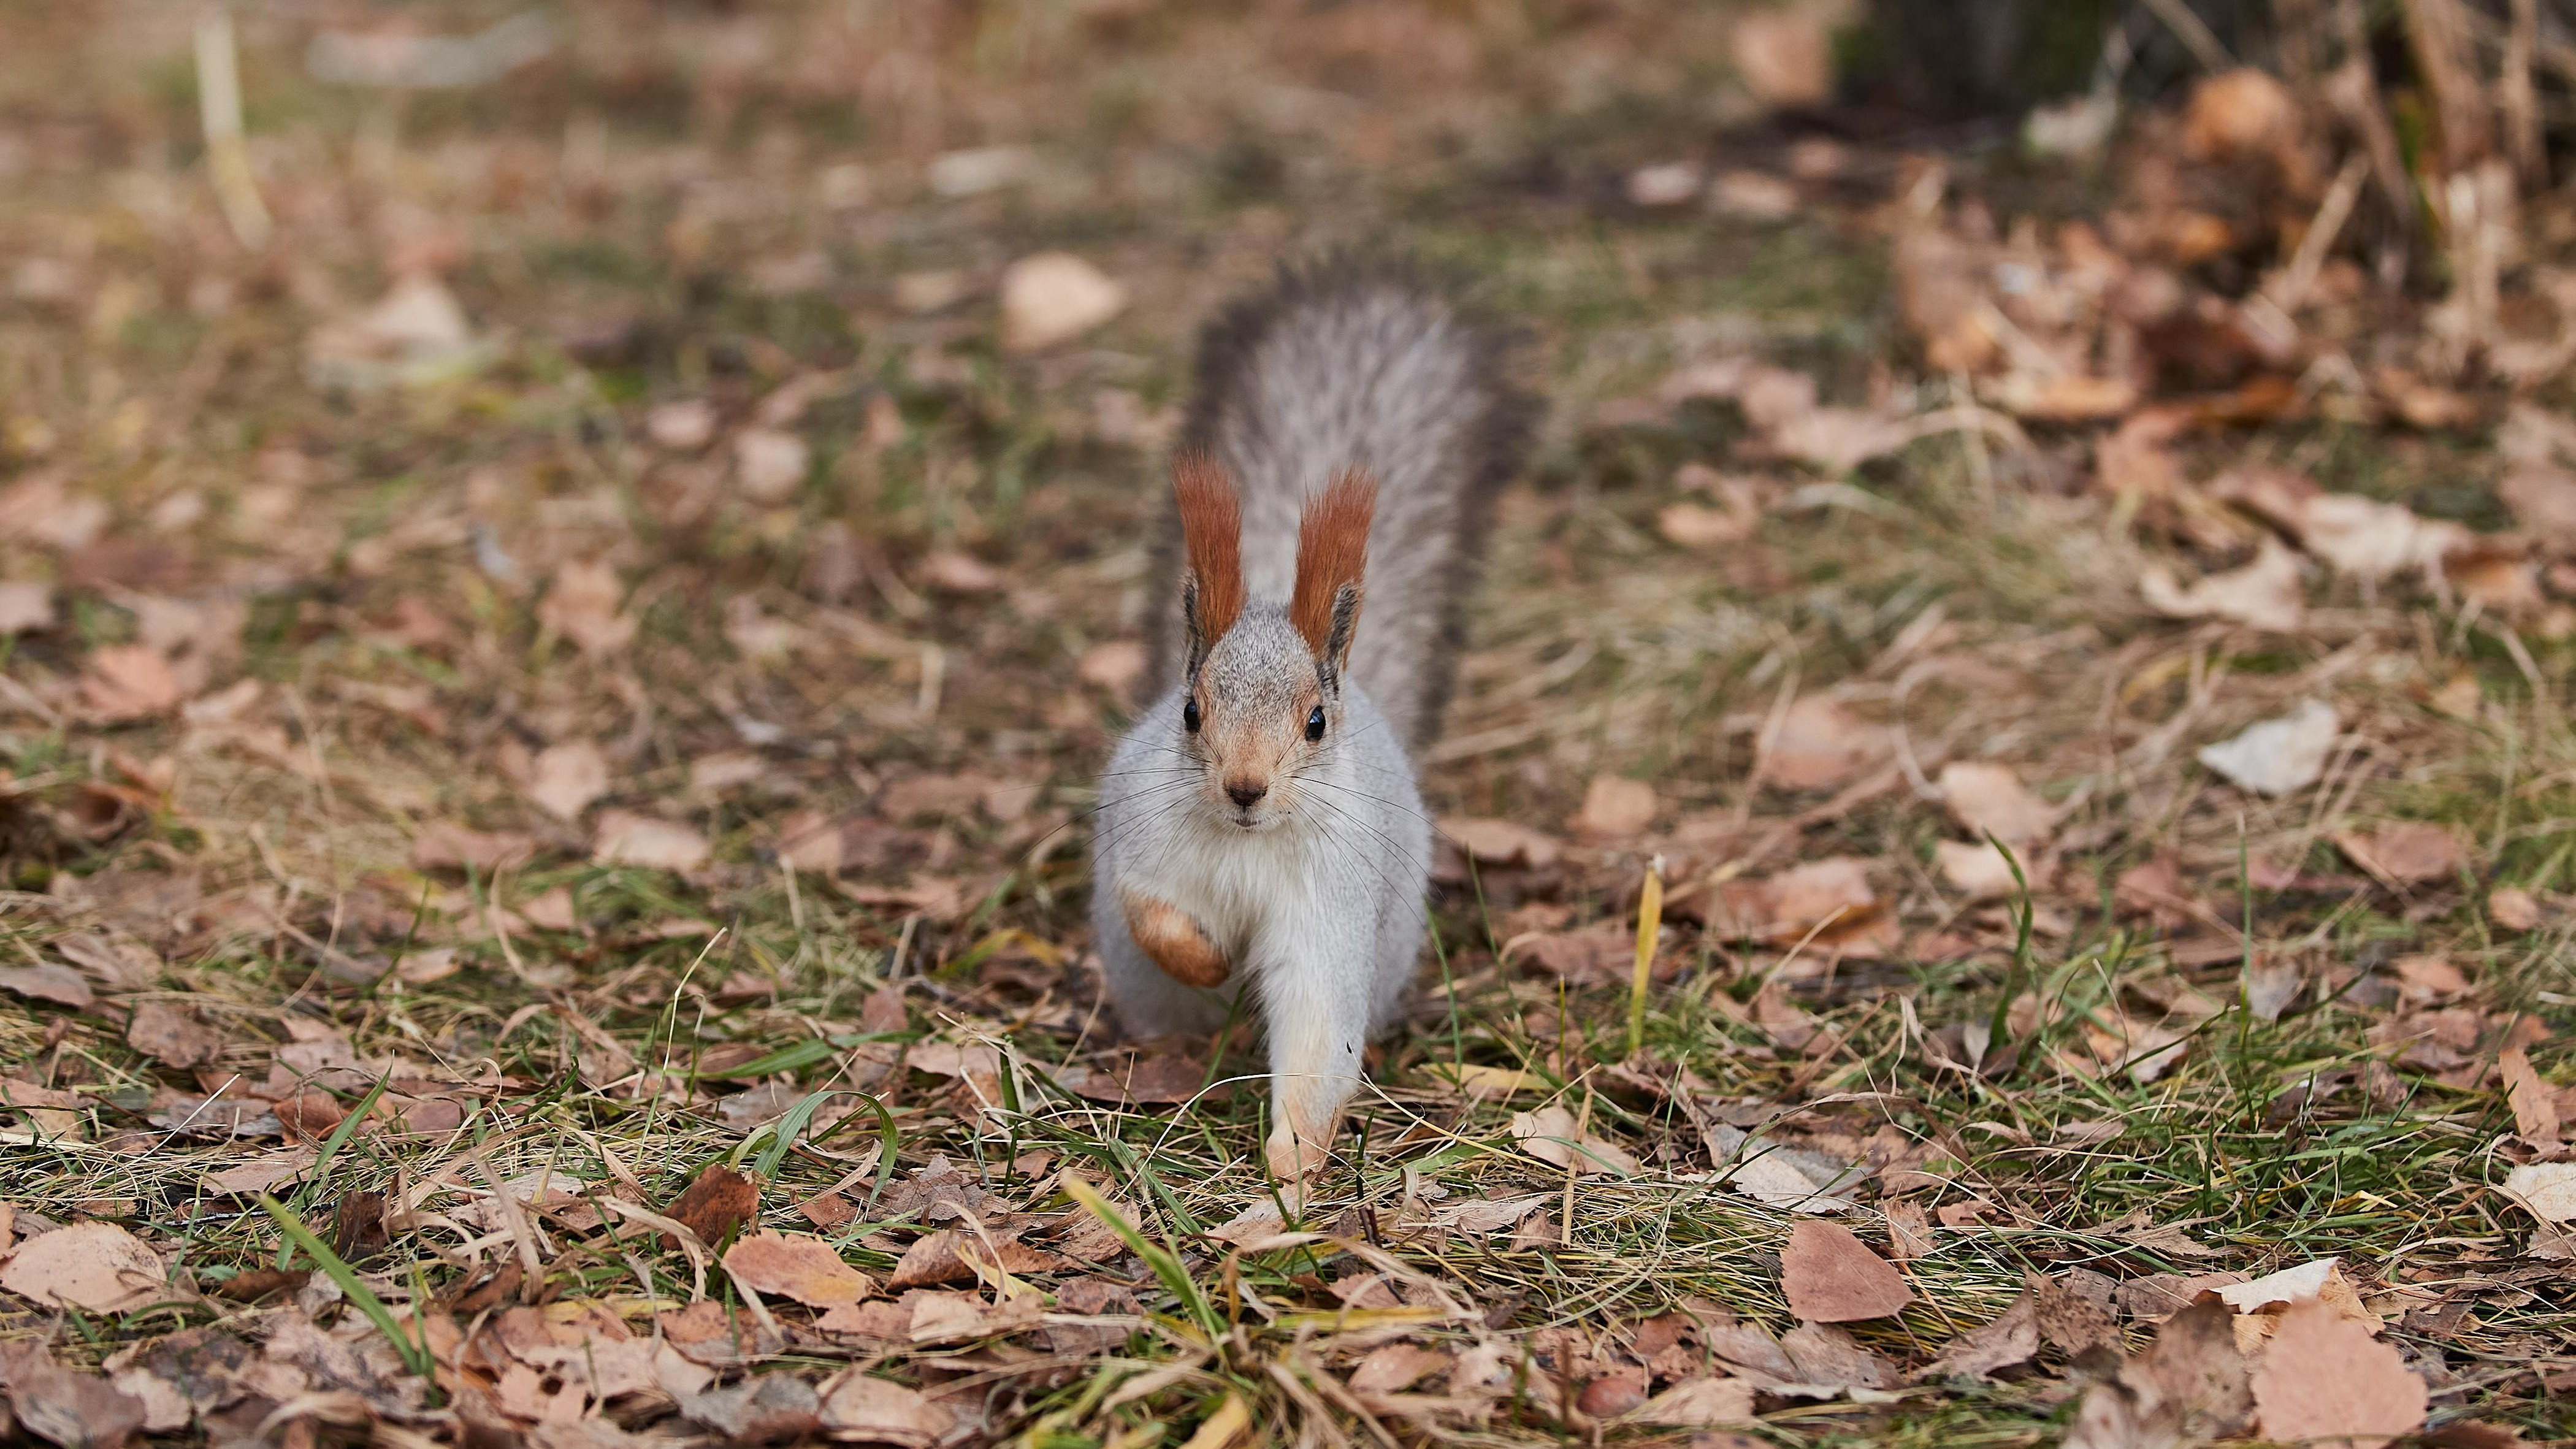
1260	840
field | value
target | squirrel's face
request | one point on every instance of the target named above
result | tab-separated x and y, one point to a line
1256	716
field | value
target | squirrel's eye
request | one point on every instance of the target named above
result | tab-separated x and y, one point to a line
1315	723
1190	716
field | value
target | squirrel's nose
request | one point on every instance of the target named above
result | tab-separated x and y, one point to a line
1246	793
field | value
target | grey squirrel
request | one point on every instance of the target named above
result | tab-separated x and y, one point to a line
1260	830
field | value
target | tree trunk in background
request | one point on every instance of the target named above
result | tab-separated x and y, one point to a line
1957	59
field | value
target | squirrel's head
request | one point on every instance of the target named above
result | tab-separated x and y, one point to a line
1263	684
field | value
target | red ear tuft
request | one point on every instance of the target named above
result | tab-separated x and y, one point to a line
1332	553
1212	528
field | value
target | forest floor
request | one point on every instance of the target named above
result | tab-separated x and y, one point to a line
548	699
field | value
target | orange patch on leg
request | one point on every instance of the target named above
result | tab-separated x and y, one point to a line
1174	942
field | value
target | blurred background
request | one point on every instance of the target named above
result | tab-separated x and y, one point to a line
500	500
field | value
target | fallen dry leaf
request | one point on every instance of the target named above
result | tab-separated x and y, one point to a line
25	608
2406	852
776	1408
582	605
1831	1276
2011	1338
625	837
1820	745
858	1405
1983	872
2279	756
96	1267
565	778
1989	799
1054	297
1702	1402
1501	842
1115	665
720	1201
1553	1136
2265	594
682	425
2546	1190
48	981
2514	908
1392	1368
1614	808
798	1266
129	682
1784	55
1827	903
770	464
171	1035
2326	1380
2188	1386
69	1406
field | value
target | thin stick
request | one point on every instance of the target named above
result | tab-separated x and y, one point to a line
220	111
2194	33
2520	101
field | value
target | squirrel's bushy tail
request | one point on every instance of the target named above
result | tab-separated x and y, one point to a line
1360	364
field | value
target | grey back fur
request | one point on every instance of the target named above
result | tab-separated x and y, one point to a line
1358	364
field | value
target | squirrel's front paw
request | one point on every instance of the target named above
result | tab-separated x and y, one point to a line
1167	935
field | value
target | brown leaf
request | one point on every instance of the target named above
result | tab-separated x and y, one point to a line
1391	1368
172	1036
1696	525
66	1406
2266	593
1115	665
129	682
720	1201
447	846
97	1267
582	605
625	837
764	1409
1784	55
1820	745
1554	1136
25	608
953	1255
112	959
798	1266
2406	852
1501	842
2187	1386
1909	1232
1831	1276
859	1405
2325	1379
959	572
1614	808
2513	908
567	777
2011	1338
1701	1402
48	981
1828	902
2535	1107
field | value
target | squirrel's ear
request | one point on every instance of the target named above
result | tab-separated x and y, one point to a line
1212	533
1332	554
